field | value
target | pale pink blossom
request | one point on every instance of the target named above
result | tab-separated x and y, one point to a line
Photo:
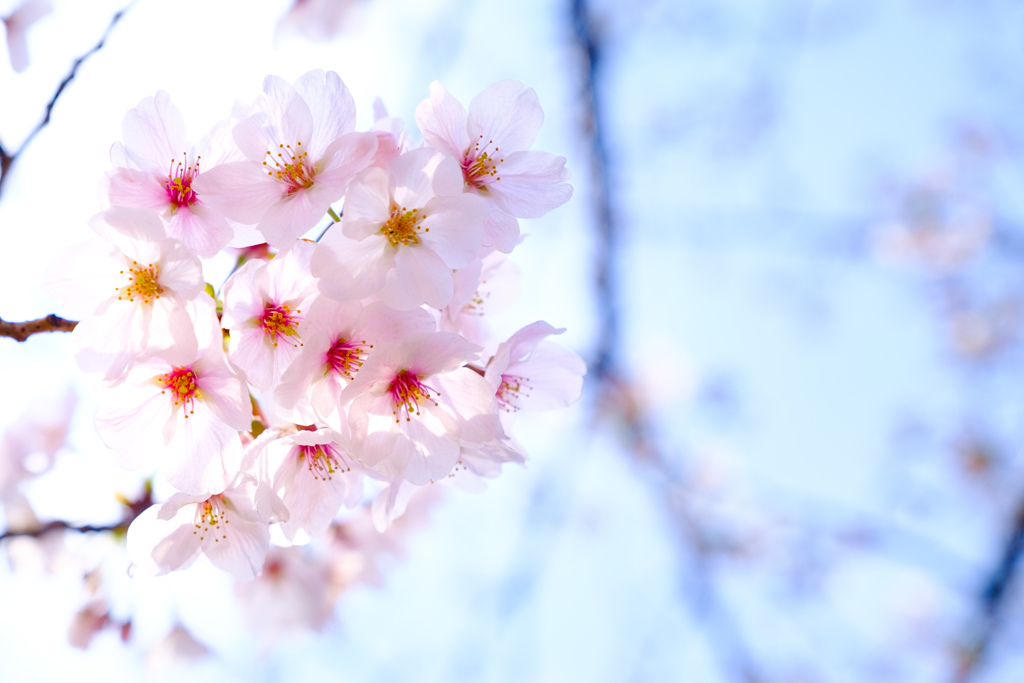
17	23
338	338
492	143
415	405
404	231
530	373
301	150
313	475
186	416
293	591
228	527
128	292
156	169
318	20
483	288
265	303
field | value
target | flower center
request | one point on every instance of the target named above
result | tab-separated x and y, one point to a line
346	357
143	283
511	388
407	391
179	182
291	167
182	384
480	166
210	514
322	460
403	226
278	321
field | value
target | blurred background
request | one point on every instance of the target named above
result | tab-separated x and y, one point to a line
794	263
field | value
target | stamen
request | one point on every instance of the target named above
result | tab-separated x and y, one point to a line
511	389
291	166
179	182
323	460
480	166
278	322
210	514
404	226
346	357
407	391
182	384
143	283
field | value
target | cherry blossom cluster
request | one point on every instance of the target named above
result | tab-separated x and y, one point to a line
323	374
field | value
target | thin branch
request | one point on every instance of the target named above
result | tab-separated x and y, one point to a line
132	509
6	160
22	331
40	531
993	600
605	280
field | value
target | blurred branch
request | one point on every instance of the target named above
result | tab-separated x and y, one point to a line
6	160
22	331
133	508
588	44
614	395
993	600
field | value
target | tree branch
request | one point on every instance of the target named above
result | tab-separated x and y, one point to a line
22	331
6	160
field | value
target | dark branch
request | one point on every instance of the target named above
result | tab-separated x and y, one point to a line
132	509
588	45
993	600
22	331
6	160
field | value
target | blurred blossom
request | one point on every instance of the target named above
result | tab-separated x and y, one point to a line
319	20
935	227
17	24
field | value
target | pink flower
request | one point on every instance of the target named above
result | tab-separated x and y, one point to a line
415	404
530	373
338	338
312	473
404	232
17	23
265	303
156	169
129	293
227	527
301	151
491	142
185	415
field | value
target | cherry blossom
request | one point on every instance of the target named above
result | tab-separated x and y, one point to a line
17	23
301	150
227	527
530	373
339	337
404	232
312	473
130	291
156	169
264	305
186	415
491	142
414	404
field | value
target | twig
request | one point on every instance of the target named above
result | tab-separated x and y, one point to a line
6	160
22	331
993	600
133	508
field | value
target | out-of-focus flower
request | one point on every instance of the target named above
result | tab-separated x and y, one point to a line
318	20
17	23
